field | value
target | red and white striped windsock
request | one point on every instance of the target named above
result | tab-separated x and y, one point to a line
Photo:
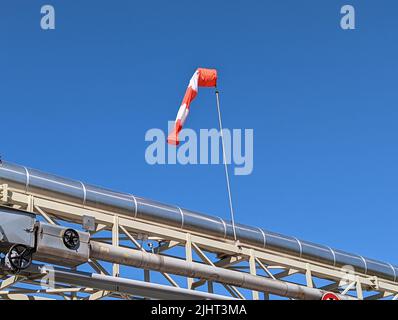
201	78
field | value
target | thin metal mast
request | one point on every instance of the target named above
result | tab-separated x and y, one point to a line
225	164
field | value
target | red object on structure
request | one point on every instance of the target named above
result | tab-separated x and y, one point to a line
330	296
201	78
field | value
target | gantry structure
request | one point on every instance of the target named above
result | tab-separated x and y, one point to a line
141	249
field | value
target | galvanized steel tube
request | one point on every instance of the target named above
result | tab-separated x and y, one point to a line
119	285
150	261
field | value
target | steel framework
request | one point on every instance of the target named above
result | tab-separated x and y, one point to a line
134	258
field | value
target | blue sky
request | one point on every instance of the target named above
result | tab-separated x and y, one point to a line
77	101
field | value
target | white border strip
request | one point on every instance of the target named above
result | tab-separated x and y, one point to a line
27	179
136	206
265	238
84	193
182	217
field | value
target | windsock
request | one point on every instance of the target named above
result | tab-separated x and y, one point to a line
201	78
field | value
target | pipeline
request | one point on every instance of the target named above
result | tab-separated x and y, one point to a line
24	239
145	260
31	181
114	284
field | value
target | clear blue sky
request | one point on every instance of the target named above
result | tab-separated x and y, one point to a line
78	100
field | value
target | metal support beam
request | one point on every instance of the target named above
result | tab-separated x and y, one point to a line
115	243
188	257
253	272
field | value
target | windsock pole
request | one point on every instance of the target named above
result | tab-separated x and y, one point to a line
225	163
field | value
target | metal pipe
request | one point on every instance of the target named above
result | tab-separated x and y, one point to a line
34	182
145	260
118	285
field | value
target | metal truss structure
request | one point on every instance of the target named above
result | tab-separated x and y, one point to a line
202	264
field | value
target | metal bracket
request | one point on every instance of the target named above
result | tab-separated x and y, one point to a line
4	193
375	282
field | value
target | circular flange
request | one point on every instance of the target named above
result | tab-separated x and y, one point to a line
19	257
71	239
